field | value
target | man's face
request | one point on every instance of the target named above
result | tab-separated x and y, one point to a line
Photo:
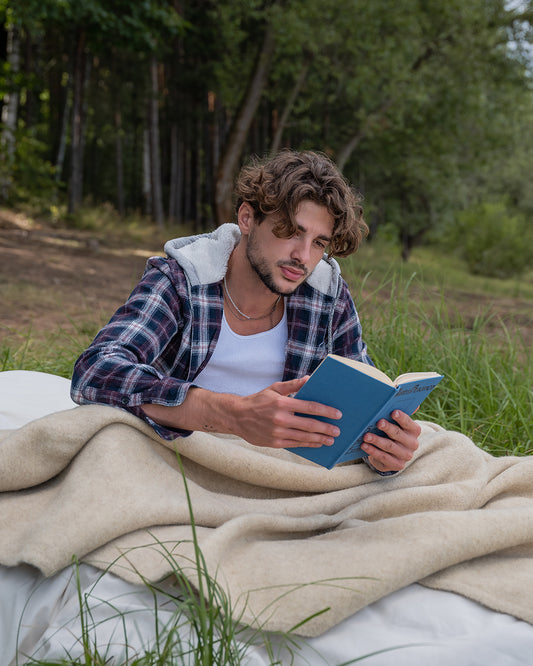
283	264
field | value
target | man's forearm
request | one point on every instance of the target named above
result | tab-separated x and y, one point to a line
201	410
268	418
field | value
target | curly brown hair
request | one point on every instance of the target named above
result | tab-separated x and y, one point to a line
279	184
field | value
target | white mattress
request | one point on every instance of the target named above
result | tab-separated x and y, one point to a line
40	617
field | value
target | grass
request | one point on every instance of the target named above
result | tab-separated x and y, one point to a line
441	270
199	626
54	354
487	391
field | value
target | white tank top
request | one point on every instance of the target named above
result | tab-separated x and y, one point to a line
245	364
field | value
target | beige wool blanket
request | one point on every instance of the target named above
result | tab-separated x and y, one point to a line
285	538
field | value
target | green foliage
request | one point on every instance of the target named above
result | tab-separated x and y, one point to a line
137	25
32	174
427	106
493	241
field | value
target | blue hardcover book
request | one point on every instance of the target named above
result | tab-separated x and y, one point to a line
364	395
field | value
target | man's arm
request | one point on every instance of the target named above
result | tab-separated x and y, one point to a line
267	418
126	364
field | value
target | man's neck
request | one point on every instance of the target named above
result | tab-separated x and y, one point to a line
249	305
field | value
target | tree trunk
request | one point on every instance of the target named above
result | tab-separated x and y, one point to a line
407	246
62	148
155	153
208	138
32	69
346	151
344	154
76	170
10	109
147	179
187	173
120	164
229	161
282	122
180	177
198	218
174	175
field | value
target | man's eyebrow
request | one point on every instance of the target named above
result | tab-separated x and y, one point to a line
321	236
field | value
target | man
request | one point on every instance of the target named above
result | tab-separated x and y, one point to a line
218	336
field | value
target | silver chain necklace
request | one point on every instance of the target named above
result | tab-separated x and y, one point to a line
245	316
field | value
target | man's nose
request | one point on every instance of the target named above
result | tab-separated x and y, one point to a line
301	251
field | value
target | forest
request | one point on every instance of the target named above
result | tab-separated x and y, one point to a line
152	106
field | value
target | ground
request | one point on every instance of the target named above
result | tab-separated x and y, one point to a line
56	280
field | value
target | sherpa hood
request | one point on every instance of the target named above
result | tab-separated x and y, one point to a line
204	258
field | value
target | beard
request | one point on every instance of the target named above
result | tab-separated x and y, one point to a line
264	272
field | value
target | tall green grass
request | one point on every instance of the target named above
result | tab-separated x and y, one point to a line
487	390
54	354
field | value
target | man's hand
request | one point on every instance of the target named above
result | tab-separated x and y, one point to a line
391	453
267	418
270	418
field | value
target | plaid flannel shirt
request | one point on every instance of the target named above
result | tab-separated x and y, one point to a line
163	336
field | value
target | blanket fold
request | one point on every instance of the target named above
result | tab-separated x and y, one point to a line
284	537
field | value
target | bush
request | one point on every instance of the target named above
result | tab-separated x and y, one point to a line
494	242
31	176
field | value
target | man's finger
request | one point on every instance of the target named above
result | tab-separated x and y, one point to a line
290	386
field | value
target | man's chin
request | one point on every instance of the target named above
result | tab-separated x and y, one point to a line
287	289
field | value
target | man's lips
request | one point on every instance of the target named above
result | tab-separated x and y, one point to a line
292	273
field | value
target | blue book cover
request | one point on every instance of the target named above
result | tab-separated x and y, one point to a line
364	395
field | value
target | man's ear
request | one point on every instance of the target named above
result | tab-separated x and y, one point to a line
245	218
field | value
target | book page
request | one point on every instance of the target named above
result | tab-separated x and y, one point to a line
365	368
414	376
381	376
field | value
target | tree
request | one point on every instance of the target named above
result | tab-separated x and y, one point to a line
232	152
426	106
10	103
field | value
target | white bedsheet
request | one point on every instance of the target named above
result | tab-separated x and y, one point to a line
40	616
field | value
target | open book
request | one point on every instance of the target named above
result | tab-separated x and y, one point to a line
364	395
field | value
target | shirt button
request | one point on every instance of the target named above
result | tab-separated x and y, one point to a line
125	401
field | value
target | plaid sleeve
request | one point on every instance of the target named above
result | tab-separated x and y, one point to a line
118	368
